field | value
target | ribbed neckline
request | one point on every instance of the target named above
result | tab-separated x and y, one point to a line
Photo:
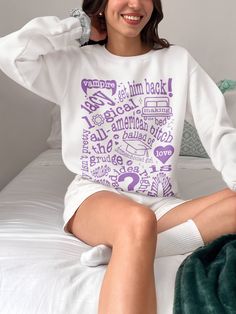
116	58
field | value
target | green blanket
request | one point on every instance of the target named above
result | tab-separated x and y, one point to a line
206	280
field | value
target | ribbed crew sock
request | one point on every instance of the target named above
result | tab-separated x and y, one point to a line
181	239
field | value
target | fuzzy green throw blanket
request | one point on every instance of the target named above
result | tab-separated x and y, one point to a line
206	280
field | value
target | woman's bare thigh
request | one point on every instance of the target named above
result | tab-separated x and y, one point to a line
190	209
102	216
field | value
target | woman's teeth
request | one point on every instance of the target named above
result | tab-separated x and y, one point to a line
132	18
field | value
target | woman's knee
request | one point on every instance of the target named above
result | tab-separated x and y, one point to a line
230	211
228	193
140	224
105	218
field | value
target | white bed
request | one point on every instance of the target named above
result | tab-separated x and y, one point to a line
40	270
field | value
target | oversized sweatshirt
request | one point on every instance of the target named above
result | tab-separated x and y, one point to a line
122	117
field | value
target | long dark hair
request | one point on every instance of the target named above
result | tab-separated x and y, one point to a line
149	34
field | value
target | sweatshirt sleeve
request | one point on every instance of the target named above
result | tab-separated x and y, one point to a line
36	55
208	111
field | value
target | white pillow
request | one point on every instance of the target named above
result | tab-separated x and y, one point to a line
54	139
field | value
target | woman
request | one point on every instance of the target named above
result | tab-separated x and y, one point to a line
123	104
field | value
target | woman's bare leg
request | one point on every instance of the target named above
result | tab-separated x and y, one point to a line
214	215
131	230
129	284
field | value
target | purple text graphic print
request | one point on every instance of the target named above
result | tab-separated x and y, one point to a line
127	140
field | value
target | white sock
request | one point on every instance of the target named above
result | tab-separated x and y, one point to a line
97	255
181	239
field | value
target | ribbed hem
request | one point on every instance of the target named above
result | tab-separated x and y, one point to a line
181	239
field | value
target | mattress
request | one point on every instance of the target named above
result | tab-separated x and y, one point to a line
40	269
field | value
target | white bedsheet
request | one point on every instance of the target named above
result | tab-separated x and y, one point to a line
40	270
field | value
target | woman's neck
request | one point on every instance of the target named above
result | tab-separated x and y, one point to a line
127	47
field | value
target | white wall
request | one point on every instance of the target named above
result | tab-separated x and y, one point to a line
24	117
205	27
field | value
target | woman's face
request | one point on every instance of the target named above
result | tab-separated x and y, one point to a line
127	17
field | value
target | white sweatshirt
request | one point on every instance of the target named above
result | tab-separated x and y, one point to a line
122	117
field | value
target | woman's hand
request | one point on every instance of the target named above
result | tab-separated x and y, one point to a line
94	26
98	28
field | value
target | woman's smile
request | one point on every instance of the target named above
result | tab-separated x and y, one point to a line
127	18
132	18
